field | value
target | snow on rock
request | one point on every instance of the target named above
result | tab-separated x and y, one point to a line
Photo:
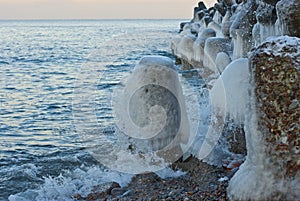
271	170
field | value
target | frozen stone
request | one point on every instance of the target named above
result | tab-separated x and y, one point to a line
186	29
256	34
201	7
216	27
207	33
200	15
220	7
241	29
266	17
185	47
222	61
152	110
288	17
211	12
217	17
272	167
226	23
195	28
198	46
182	24
212	47
236	82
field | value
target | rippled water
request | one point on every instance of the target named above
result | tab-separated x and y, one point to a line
39	65
40	62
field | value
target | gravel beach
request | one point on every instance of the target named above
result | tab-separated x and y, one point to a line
201	182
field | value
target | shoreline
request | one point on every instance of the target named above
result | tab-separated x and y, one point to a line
201	181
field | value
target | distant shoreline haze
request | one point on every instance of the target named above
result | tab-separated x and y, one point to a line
97	9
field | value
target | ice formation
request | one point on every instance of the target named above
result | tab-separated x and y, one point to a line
236	80
227	33
151	108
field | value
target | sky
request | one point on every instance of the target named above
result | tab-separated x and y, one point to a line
98	9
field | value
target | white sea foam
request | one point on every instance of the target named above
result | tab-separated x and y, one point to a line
69	183
81	181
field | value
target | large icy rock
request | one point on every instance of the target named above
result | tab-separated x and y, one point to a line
241	29
236	80
185	47
272	168
213	46
265	26
199	44
200	8
288	17
152	111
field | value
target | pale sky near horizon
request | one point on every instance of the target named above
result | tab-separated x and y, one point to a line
99	9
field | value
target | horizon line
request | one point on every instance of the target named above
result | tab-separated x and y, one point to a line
48	19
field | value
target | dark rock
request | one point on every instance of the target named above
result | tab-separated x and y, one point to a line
228	3
99	192
201	14
221	8
288	12
202	6
207	20
118	191
241	29
211	12
271	2
182	24
266	14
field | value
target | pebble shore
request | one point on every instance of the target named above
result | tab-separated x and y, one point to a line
201	182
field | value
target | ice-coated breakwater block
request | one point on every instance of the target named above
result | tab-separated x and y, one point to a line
272	167
152	110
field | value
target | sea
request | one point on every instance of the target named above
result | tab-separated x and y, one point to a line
43	66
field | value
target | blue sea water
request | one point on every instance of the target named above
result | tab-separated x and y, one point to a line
41	154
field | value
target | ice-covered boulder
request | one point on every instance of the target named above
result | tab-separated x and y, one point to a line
199	44
288	12
201	7
272	168
226	23
241	29
182	24
236	80
213	46
187	29
185	47
265	26
216	27
151	110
